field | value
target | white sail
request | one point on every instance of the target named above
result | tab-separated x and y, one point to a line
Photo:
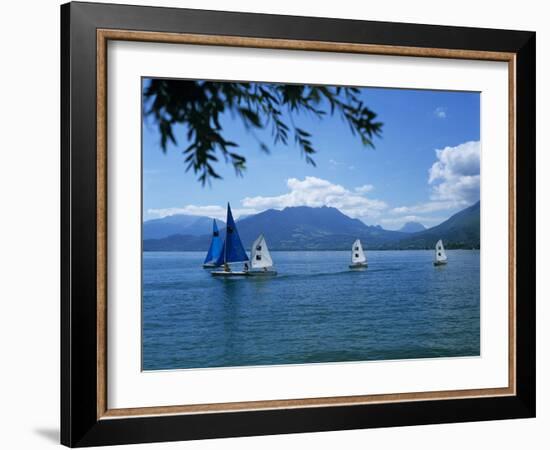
260	257
440	255
357	254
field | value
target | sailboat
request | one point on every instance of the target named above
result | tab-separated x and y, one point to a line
260	259
215	248
440	257
358	258
232	250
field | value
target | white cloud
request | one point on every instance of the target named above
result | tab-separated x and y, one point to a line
316	192
440	112
215	211
423	208
311	191
454	177
364	189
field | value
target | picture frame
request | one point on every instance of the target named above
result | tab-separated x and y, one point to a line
86	29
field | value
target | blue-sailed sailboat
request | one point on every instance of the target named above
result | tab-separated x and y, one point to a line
232	251
215	248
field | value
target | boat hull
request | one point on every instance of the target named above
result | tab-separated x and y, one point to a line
223	273
358	266
250	273
440	263
262	273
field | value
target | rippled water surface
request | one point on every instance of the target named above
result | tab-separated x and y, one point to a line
315	310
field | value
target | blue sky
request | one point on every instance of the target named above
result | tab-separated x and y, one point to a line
424	167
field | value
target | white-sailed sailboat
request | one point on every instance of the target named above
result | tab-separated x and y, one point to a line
358	257
260	258
232	250
440	257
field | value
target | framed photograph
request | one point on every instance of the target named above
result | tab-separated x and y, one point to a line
276	224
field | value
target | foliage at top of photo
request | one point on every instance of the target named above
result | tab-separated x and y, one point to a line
199	105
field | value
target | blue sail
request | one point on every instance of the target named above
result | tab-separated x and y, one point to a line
233	250
215	245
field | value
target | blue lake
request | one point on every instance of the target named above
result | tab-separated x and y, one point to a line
315	310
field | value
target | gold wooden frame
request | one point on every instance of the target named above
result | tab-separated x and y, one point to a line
103	36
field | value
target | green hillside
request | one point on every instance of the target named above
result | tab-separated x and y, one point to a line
459	231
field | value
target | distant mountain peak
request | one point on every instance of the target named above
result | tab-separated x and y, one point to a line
306	208
183	224
461	230
412	227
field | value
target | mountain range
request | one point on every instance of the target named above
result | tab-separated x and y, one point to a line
306	228
412	227
178	224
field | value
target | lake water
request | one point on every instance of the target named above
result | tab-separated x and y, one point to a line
315	310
